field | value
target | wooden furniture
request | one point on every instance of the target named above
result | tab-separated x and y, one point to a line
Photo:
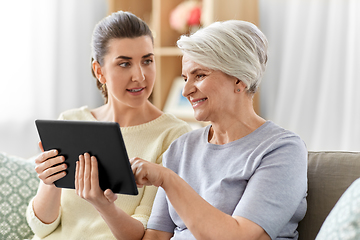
168	58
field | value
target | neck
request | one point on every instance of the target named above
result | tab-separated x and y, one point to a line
127	116
234	127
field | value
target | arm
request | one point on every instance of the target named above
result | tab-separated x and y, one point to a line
151	234
87	187
43	212
46	203
202	219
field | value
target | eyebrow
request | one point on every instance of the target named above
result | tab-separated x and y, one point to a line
148	55
195	70
129	58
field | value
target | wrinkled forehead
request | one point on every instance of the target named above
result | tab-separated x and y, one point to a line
190	67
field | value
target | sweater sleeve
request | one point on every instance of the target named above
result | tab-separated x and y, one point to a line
281	179
38	227
143	211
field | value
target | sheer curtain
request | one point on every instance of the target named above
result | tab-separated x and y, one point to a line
312	83
45	62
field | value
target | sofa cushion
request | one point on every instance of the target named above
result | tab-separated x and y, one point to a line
18	184
343	221
329	175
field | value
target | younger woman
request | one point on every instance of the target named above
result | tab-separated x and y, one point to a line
124	65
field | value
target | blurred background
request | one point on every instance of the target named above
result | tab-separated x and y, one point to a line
310	86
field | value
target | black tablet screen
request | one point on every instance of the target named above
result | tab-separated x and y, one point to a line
100	139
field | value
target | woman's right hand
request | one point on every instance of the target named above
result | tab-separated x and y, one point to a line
49	166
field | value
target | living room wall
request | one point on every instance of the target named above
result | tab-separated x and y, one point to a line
310	87
312	81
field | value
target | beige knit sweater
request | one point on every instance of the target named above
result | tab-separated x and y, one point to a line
78	219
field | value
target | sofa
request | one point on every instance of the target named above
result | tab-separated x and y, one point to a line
18	184
329	175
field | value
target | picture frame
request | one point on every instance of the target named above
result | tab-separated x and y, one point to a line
176	103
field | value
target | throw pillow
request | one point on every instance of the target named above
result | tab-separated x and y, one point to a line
18	184
343	222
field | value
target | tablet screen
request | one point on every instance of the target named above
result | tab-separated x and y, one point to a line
100	139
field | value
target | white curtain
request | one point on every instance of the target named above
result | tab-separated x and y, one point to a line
312	83
45	65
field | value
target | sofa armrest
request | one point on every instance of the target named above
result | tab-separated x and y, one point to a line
329	175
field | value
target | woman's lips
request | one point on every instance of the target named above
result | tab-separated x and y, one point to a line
135	91
196	102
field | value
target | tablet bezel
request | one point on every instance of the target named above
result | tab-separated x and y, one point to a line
100	139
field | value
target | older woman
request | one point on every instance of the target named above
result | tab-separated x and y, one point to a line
241	177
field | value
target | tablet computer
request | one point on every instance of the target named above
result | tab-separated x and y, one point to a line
100	139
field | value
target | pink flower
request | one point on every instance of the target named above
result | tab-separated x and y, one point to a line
185	15
194	18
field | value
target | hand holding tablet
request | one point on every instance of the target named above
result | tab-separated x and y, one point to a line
100	139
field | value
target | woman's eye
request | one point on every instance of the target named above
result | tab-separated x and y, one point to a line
124	64
200	76
148	61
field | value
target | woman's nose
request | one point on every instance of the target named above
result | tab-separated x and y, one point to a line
188	89
138	74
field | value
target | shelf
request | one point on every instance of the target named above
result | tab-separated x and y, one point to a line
168	51
156	14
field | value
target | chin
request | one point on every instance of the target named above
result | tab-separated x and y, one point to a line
200	117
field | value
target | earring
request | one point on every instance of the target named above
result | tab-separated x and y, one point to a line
238	90
103	86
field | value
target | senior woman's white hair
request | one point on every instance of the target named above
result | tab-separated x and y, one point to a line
235	47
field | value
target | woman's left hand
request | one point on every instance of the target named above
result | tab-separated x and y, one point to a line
87	182
147	173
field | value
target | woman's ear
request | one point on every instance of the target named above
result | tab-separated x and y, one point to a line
98	72
239	85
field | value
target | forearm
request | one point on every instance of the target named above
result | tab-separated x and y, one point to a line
46	203
121	224
202	219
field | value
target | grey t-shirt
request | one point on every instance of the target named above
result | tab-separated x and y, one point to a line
261	177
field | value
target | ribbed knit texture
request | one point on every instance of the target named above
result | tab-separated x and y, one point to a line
79	219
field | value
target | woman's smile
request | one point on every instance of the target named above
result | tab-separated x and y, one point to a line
197	102
135	91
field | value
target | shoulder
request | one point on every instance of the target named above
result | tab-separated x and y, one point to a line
192	136
276	136
274	130
171	125
82	113
183	145
171	120
164	129
278	145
